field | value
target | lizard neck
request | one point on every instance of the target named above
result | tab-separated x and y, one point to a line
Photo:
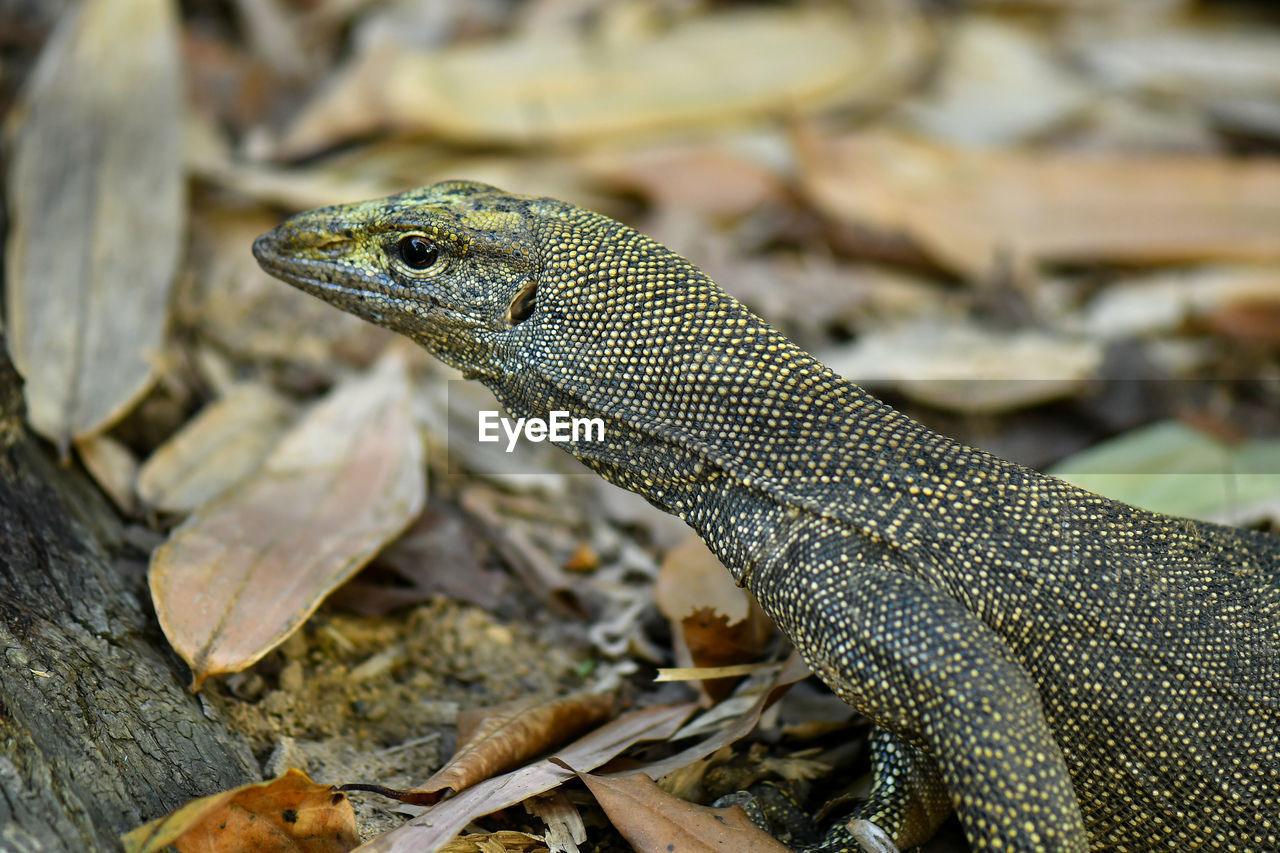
706	422
693	388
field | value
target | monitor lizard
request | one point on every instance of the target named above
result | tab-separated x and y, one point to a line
1064	671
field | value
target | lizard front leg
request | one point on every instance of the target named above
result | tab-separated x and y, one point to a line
919	664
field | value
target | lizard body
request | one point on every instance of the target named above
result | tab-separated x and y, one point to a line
1064	671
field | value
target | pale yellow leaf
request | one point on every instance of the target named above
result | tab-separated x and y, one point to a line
96	196
225	442
556	86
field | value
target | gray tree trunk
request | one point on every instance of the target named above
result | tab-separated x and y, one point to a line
97	730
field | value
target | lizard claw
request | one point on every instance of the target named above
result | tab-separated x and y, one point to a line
871	838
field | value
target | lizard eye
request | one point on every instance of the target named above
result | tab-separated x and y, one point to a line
418	253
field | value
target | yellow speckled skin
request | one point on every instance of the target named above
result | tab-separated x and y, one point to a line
1064	671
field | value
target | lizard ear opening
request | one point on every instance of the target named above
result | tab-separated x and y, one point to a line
522	304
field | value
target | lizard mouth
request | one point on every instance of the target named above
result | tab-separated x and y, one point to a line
321	278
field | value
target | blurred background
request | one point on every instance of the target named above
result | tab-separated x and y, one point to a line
1050	228
1037	225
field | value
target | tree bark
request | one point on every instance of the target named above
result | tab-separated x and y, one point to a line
97	731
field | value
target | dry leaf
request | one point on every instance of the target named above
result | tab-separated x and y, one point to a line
968	209
965	367
792	670
438	826
1163	301
558	86
438	555
653	821
495	740
565	829
496	842
228	439
703	179
290	814
249	567
112	466
713	641
999	84
96	199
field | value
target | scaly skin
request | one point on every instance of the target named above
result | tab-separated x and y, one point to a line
1064	671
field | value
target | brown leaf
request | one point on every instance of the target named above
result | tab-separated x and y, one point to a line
437	827
557	86
707	179
495	740
96	197
969	207
290	814
714	641
653	821
248	568
226	441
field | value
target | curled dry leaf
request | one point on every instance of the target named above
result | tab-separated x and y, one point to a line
565	829
654	821
90	264
225	442
714	622
246	569
713	641
290	814
495	740
438	826
969	208
553	86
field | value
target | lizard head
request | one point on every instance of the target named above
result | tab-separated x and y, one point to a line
453	266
